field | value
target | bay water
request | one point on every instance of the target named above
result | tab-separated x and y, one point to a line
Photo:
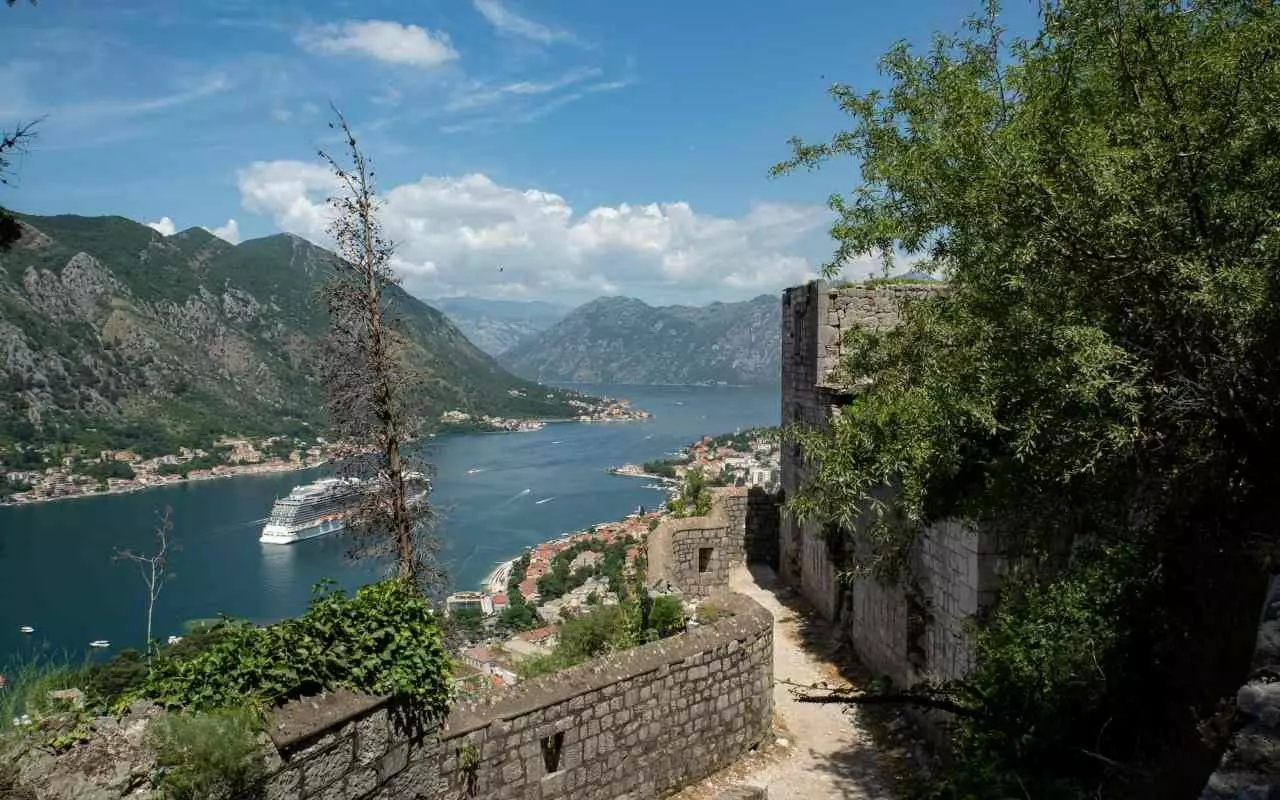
58	574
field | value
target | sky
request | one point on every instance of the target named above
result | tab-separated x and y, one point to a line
525	149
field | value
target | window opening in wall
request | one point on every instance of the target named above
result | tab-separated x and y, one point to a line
551	746
704	559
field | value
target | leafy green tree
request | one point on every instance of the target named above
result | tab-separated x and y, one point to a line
1099	373
464	624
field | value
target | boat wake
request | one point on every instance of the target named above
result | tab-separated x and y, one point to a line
543	500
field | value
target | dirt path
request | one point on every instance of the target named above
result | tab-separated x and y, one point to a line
821	751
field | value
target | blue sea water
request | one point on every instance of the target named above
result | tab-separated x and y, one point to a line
58	575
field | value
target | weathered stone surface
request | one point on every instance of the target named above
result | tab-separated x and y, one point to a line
953	565
640	723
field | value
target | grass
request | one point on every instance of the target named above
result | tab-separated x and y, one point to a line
29	681
207	755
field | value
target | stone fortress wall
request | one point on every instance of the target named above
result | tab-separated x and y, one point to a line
637	724
906	635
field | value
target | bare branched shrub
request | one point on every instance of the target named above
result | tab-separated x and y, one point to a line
154	568
368	380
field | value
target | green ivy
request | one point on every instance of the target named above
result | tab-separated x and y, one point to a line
383	640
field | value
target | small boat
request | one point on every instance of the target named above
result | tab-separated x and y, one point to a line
474	470
27	629
555	443
543	500
174	639
99	643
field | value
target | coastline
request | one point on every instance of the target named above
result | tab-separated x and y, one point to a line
162	484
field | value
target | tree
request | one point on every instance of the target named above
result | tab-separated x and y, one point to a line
1096	384
154	568
367	380
12	142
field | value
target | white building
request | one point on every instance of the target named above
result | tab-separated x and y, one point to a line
465	601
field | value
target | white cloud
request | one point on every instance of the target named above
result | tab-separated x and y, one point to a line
482	95
228	233
509	22
469	235
164	225
383	40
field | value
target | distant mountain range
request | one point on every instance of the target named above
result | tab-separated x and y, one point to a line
495	326
111	332
624	340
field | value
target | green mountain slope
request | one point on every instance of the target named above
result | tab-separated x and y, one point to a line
497	325
624	340
113	334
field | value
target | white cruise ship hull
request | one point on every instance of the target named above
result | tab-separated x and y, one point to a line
280	534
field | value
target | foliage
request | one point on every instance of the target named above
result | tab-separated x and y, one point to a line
1102	199
464	625
210	754
694	499
383	640
665	468
28	683
666	615
103	470
1052	686
603	629
119	676
708	613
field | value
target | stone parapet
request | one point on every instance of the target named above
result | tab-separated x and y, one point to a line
636	724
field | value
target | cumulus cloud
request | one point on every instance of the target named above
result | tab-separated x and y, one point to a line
383	40
164	225
227	233
507	21
470	235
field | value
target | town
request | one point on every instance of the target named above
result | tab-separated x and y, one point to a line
746	458
32	475
516	616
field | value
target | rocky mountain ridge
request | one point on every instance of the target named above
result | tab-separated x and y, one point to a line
111	333
496	326
627	341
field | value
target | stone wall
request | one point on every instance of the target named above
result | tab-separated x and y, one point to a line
764	515
637	724
1250	766
905	632
696	554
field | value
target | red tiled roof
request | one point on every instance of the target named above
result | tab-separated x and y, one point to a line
537	634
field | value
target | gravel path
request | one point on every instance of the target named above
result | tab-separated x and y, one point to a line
821	752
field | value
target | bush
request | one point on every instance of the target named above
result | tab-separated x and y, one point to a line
384	640
120	676
667	615
604	629
204	755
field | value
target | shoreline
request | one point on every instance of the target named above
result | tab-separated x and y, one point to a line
160	485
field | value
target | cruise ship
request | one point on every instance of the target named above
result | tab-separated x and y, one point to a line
316	509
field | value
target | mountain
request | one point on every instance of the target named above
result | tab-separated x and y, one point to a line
496	325
113	333
624	340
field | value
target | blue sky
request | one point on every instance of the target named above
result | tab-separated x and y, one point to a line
587	147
